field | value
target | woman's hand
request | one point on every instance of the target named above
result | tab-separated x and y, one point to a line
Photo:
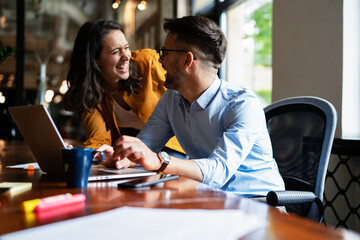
109	161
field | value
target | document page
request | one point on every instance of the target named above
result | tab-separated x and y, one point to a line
148	223
25	166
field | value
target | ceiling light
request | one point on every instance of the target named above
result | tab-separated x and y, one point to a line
2	98
49	94
142	5
116	4
64	87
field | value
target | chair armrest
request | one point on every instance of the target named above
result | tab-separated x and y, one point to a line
282	198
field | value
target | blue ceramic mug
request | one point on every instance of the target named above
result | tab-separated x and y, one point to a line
77	165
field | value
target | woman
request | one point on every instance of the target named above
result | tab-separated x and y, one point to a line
115	89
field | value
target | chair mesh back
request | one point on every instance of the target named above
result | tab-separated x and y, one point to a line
297	133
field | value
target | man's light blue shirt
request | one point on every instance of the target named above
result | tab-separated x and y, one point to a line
224	132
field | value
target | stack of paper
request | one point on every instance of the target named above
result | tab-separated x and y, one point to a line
147	223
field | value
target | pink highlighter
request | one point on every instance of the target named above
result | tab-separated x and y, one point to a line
59	201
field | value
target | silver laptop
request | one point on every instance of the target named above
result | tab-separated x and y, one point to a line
45	143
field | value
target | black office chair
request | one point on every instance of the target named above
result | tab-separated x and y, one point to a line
302	131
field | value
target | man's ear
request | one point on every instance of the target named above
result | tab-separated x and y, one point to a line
189	59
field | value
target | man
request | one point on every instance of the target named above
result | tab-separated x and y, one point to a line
220	126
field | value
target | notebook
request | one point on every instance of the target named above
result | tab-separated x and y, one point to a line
15	187
45	142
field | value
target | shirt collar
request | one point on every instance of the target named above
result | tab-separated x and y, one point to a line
208	95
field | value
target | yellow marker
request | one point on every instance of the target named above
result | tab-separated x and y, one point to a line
30	205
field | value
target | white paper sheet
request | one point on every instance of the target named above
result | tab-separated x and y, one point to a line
25	166
147	223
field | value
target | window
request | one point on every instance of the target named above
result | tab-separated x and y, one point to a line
351	73
249	34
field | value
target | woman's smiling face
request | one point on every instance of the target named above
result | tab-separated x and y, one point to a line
114	59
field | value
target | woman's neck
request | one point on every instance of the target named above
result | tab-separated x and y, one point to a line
109	89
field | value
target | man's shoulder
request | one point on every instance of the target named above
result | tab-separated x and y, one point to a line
234	91
239	97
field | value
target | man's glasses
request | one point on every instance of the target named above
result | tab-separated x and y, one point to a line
162	51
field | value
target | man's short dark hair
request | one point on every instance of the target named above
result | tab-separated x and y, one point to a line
201	32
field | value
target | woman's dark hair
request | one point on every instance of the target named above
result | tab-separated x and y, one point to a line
84	76
200	32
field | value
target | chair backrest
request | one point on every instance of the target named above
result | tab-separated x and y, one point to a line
302	130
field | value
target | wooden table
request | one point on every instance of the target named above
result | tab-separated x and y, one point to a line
103	196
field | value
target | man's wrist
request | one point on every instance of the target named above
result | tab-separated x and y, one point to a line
165	160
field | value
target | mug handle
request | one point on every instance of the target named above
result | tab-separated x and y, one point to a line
94	160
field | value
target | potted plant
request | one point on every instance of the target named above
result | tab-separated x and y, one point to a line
6	52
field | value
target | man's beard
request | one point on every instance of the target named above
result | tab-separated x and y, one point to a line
172	82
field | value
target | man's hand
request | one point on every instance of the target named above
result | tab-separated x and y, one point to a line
136	151
109	161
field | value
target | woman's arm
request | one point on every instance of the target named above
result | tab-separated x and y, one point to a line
96	132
